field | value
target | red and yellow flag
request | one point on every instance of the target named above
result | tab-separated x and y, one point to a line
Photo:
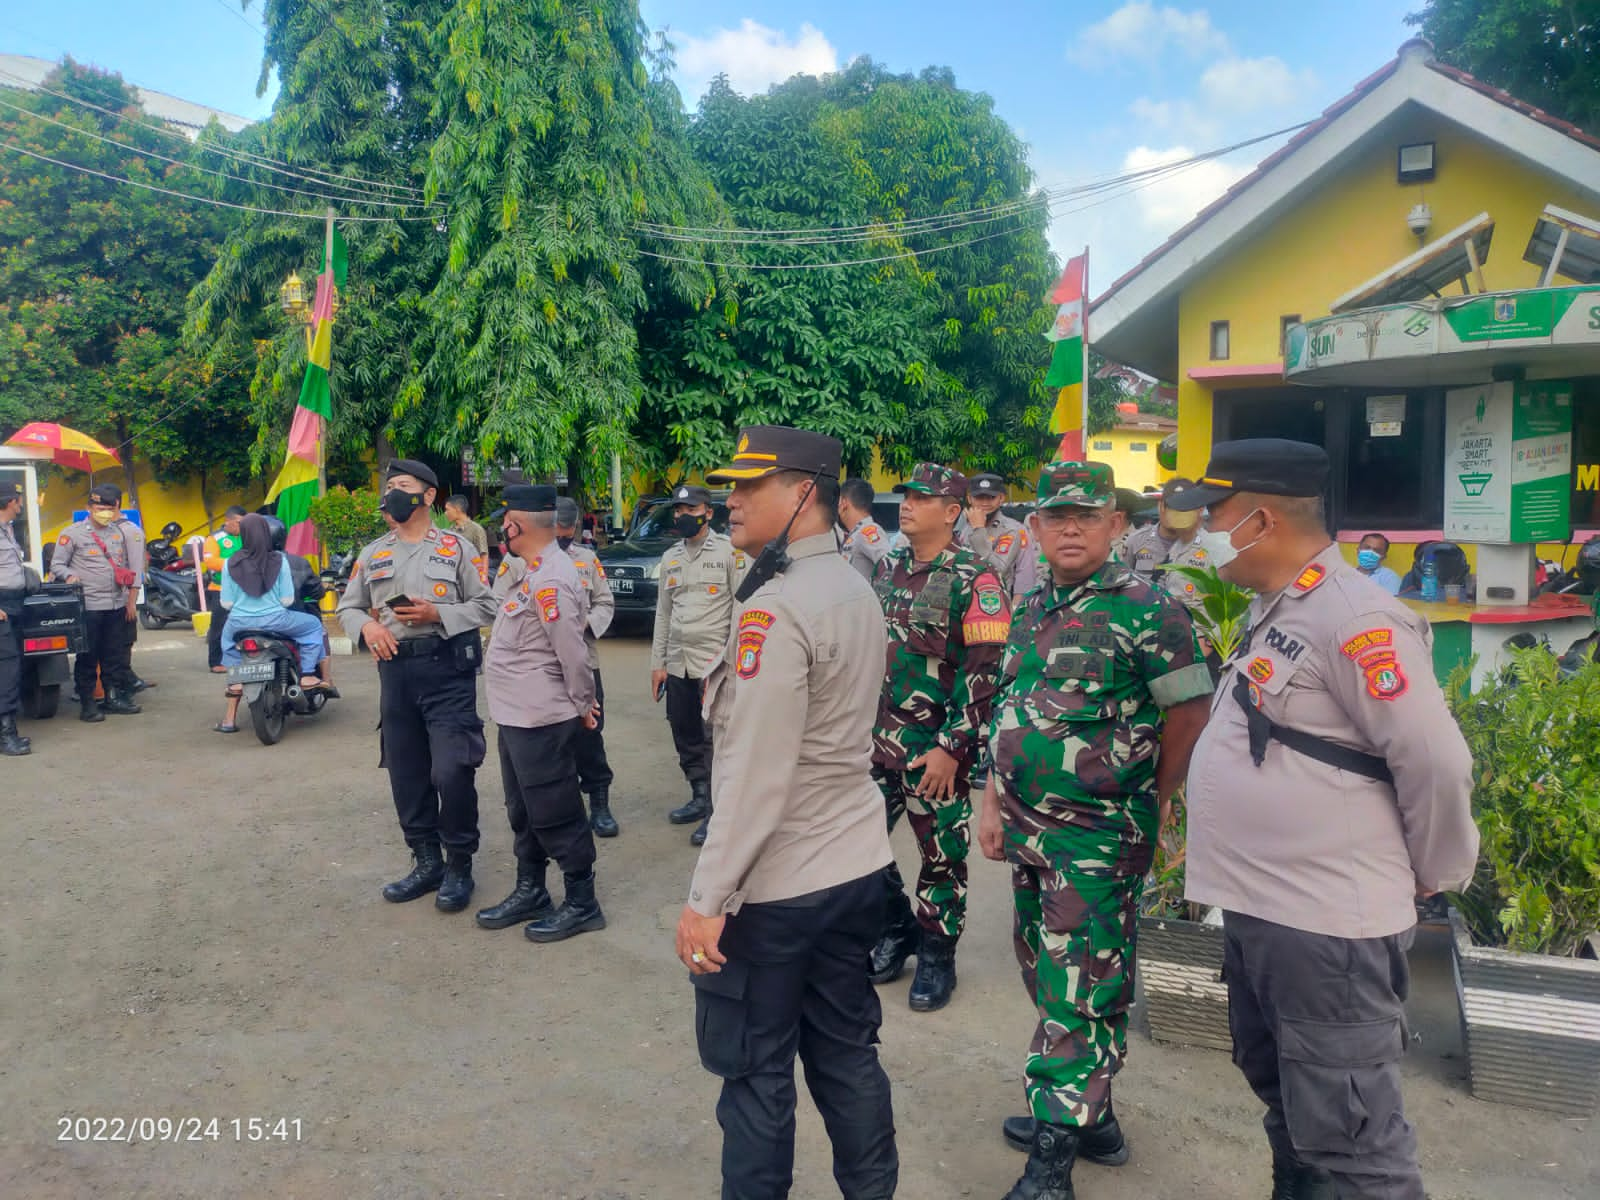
1069	361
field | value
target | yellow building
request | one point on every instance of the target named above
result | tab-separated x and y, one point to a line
1416	152
1130	448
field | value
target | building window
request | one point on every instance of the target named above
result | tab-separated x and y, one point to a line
1219	340
1139	447
1283	330
1102	446
1385	483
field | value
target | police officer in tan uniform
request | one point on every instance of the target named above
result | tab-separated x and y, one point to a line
429	593
104	552
694	607
999	540
541	694
1170	541
787	897
13	590
865	543
594	771
1330	789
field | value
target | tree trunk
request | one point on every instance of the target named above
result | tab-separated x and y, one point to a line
131	491
205	500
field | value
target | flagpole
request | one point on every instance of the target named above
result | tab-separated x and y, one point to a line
322	442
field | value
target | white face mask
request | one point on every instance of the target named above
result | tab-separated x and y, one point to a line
1218	543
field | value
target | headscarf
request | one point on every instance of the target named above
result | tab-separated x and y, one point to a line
255	565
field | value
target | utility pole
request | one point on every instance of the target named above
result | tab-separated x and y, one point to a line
322	442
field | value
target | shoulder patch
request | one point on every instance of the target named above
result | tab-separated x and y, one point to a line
754	624
504	567
63	540
1367	640
1002	544
988	618
872	534
1310	577
549	609
1385	678
481	561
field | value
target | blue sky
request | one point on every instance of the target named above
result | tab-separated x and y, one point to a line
1095	88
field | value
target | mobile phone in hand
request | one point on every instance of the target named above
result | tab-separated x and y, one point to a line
661	690
400	601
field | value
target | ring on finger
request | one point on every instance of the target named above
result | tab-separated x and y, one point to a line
697	957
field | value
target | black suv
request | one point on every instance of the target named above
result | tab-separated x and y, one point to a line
633	565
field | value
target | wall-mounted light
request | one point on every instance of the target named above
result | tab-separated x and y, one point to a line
1415	163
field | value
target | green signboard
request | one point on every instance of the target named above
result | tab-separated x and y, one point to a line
1508	462
1541	462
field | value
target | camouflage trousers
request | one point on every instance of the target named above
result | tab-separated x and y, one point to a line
943	829
1074	939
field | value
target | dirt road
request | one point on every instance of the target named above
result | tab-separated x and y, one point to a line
192	928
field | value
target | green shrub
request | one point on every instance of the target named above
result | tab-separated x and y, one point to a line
1536	799
347	520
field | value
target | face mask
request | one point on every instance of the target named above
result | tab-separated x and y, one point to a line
1218	543
564	542
103	516
686	525
1368	560
400	505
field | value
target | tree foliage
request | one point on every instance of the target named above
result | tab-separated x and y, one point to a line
1546	52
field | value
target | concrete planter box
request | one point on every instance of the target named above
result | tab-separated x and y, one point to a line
1180	965
1531	1024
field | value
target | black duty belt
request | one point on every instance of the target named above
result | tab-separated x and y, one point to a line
11	595
1263	728
422	647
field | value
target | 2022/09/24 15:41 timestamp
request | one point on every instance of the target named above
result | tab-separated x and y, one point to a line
179	1129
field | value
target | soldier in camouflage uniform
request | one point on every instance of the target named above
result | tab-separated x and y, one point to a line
948	616
1102	697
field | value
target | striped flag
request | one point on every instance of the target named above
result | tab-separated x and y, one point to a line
1069	360
299	483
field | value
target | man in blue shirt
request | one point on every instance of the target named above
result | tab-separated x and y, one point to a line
1370	554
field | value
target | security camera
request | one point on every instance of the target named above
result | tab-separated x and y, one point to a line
1419	220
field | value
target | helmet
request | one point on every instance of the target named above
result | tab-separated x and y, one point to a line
280	532
1588	568
171	530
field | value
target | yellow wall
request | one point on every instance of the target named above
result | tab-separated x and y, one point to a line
62	494
1137	469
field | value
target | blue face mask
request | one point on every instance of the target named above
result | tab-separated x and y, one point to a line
1368	560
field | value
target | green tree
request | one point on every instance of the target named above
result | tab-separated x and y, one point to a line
1546	52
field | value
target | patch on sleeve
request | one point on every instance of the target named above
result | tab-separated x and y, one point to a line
1002	544
1366	640
1310	577
441	590
1385	678
1255	696
600	568
481	561
872	534
988	618
63	540
504	567
545	598
1260	669
754	625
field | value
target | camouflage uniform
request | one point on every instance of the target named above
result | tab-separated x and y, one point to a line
1074	740
947	620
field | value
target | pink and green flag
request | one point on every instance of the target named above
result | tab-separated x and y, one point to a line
1069	359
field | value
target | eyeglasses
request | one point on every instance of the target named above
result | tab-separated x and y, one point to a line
1080	518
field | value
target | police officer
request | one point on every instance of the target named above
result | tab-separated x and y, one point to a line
104	552
429	595
594	771
865	542
1329	791
13	589
1169	542
999	540
694	608
787	897
541	693
1102	695
948	615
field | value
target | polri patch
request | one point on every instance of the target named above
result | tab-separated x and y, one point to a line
545	598
1385	678
872	534
754	625
1003	544
1310	577
1366	640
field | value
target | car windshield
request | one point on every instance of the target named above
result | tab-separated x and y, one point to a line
656	523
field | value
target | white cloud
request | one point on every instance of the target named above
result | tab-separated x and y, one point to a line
1245	85
1173	199
753	56
1141	31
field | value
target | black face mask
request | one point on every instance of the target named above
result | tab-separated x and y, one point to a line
564	542
686	525
507	532
400	505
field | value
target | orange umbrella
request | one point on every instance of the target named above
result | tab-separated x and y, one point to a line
69	447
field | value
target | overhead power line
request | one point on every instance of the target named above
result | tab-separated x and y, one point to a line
244	20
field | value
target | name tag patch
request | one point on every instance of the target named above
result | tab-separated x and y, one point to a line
1368	640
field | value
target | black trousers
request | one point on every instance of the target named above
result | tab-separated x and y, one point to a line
594	772
433	745
796	983
11	660
543	803
214	633
690	734
1318	1030
109	654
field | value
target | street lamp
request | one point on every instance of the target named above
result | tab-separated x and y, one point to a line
292	298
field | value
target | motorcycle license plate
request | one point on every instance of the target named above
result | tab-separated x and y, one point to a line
623	585
257	672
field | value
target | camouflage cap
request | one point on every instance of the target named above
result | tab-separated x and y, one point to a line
1078	484
930	479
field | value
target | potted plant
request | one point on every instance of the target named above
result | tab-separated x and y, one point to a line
1180	946
1524	929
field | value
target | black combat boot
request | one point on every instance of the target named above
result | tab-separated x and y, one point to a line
425	877
527	900
935	980
1102	1144
579	913
12	743
600	819
118	704
699	806
1048	1175
455	889
89	709
698	837
899	942
1295	1180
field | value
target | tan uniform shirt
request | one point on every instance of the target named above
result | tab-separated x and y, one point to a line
1005	545
600	604
1146	549
694	605
791	703
78	554
537	670
441	568
1305	844
12	577
475	534
865	546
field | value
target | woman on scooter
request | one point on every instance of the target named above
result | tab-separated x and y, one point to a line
258	592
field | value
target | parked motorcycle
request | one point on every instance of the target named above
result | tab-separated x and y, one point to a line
171	592
269	673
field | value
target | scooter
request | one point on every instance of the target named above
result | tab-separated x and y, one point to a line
170	591
269	674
